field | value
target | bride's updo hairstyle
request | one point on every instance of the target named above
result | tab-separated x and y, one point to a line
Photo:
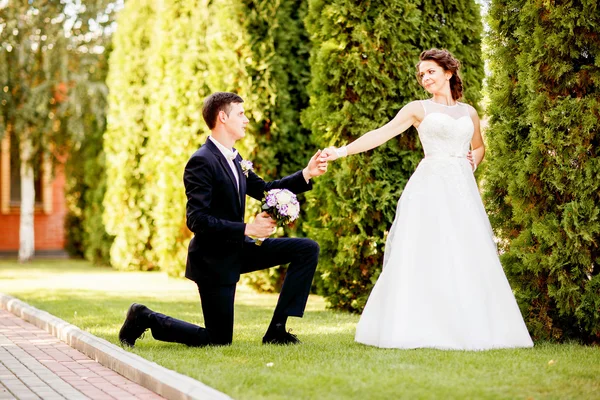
446	60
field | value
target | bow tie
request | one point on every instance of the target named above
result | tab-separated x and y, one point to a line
231	155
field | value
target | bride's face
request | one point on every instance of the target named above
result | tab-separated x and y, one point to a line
433	77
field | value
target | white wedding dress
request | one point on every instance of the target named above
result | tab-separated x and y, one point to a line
442	285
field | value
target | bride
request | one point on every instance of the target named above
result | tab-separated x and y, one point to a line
442	285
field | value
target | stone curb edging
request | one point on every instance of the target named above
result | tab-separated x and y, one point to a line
165	382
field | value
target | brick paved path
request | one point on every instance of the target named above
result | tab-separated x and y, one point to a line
37	365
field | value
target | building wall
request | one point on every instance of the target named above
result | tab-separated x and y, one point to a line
49	227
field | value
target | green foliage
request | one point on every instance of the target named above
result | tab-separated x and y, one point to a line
363	71
177	86
127	205
278	47
86	185
280	72
33	56
542	187
85	167
167	59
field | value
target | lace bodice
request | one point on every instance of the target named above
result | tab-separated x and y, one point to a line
445	130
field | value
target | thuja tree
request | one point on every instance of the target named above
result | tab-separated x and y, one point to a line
158	76
85	168
259	49
363	71
166	60
127	205
278	67
280	71
542	188
176	88
86	116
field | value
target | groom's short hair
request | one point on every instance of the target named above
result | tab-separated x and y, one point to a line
217	102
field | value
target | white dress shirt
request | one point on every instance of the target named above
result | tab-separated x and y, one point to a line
230	157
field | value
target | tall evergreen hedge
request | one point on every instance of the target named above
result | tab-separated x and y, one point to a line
278	66
542	187
363	71
127	204
168	57
86	186
177	87
259	49
158	81
85	168
280	72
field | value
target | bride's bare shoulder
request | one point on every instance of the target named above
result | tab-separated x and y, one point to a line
415	109
472	111
415	105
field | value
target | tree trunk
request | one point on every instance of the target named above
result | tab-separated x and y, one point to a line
26	232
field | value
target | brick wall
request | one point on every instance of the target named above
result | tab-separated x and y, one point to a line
49	228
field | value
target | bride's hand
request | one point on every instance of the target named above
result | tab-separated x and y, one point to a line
470	159
330	153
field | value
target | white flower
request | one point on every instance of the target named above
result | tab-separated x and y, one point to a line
246	166
293	210
284	197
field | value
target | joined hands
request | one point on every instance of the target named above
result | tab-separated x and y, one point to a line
317	166
263	225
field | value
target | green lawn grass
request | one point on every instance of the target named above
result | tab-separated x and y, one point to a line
327	365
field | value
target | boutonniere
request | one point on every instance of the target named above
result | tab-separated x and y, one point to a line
247	166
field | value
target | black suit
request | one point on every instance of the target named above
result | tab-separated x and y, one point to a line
220	252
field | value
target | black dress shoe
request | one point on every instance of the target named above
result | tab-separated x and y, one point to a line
136	323
279	336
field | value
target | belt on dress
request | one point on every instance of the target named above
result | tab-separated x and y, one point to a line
446	155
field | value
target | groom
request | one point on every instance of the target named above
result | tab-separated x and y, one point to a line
216	188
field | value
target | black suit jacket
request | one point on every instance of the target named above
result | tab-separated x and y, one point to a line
215	212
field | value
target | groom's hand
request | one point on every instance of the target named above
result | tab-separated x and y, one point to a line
316	166
262	226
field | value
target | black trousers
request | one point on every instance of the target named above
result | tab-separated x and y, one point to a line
217	300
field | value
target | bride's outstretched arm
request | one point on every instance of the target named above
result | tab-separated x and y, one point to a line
406	117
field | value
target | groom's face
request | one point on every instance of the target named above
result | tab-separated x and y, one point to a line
236	122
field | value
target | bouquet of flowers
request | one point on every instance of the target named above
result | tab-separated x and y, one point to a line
282	205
